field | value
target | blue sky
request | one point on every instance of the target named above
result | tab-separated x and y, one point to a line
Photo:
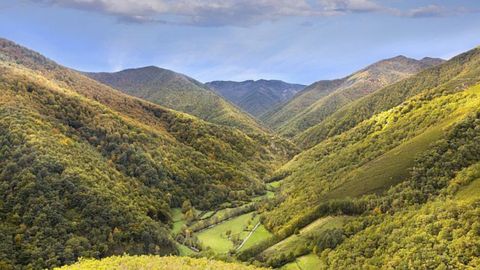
297	41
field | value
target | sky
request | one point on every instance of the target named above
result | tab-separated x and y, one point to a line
299	41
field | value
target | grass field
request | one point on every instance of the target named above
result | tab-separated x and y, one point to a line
259	235
216	237
268	195
207	214
315	228
274	185
307	262
240	227
470	192
184	251
178	221
388	169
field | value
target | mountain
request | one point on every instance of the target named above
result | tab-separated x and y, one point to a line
256	97
388	180
87	171
178	92
323	98
400	169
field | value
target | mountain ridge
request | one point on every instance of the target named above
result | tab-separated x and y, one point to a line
322	98
256	96
88	171
374	145
179	92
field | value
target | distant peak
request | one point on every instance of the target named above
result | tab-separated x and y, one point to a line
399	57
432	61
431	58
147	70
150	68
388	61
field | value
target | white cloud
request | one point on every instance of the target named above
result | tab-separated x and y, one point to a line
351	5
437	11
236	12
216	12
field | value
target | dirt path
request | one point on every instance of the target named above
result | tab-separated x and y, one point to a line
248	236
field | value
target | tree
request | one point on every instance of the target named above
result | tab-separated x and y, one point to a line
186	206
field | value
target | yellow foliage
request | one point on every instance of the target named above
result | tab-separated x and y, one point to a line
154	263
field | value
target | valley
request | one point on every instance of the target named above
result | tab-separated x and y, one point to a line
149	167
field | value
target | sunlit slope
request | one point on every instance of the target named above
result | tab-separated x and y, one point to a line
280	115
220	143
179	92
428	221
323	98
155	263
371	157
89	171
63	195
443	233
456	74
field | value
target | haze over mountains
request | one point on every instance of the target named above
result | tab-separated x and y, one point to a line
377	170
256	97
321	99
179	92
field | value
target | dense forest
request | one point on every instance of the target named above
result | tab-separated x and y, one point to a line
179	92
387	178
343	164
401	173
323	98
88	171
454	75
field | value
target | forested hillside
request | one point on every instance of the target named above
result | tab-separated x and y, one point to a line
429	221
321	99
389	177
406	176
178	92
455	74
87	171
256	97
355	162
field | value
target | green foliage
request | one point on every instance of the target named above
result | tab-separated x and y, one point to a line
254	250
178	92
440	235
323	233
226	236
88	171
425	137
307	262
260	234
454	75
403	237
348	165
280	115
222	215
323	98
